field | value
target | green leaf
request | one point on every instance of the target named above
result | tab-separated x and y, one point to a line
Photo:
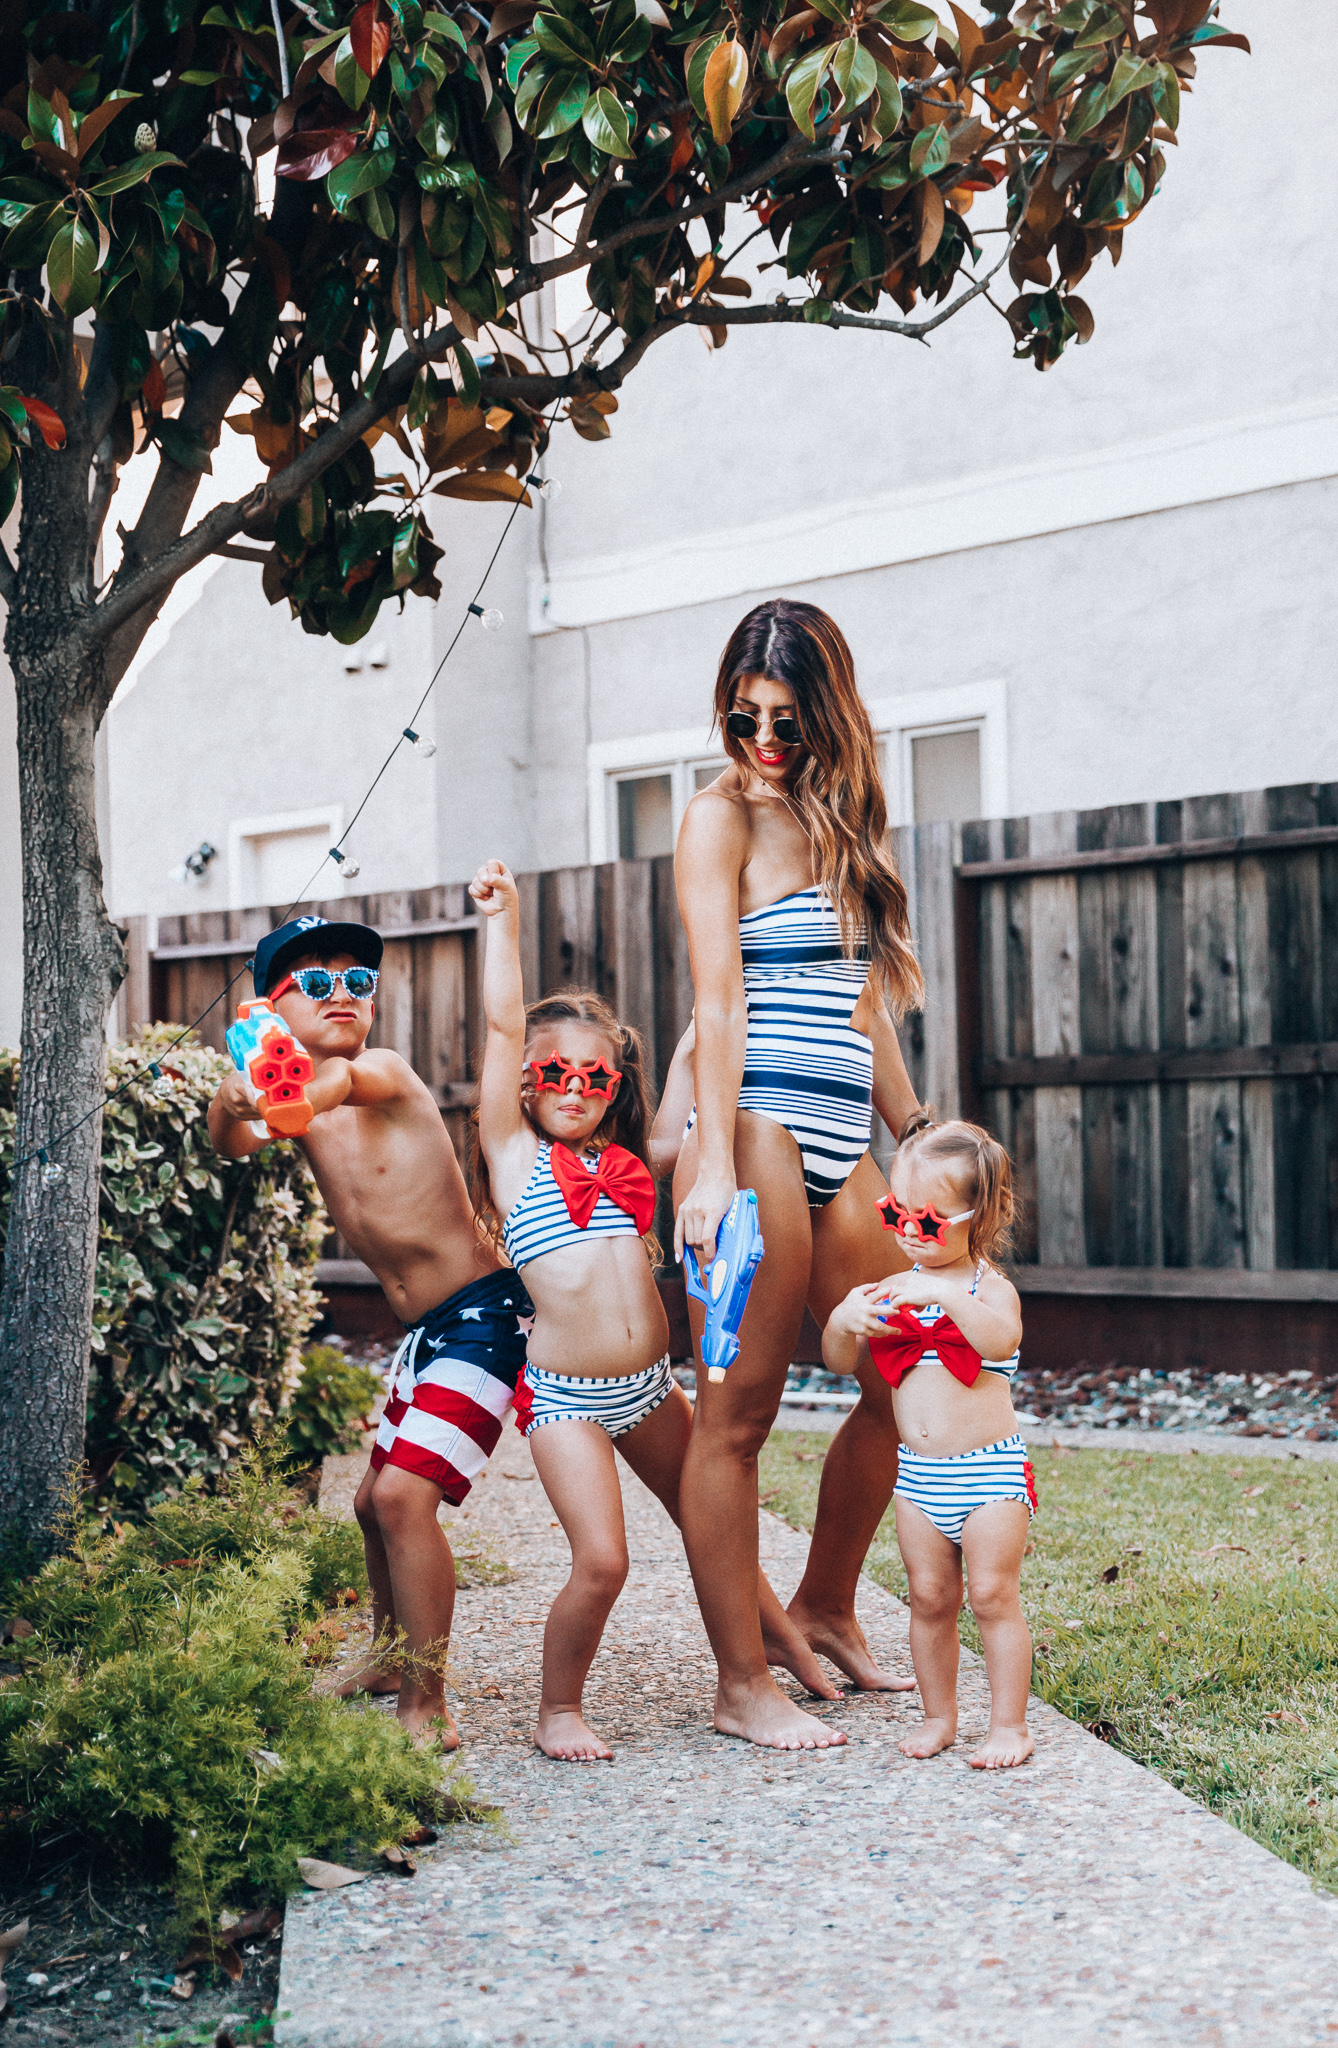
560	104
184	446
404	555
517	57
818	311
470	387
72	269
1065	69
802	84
135	172
563	40
42	120
1089	112
490	208
908	22
444	29
1104	24
1131	74
855	72
634	44
358	174
351	81
619	17
1165	95
808	235
378	213
701	57
605	121
930	150
529	89
200	77
887	118
437	136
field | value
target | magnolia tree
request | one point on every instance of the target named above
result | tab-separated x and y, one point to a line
436	164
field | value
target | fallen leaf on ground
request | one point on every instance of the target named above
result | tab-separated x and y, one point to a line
1214	1549
1292	1720
1251	1491
12	1938
1110	1574
421	1837
520	1475
808	1457
493	1692
183	1987
327	1877
397	1860
763	1498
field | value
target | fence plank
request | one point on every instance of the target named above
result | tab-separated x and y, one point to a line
1118	1012
936	940
1212	1018
567	933
1060	1230
673	972
634	952
531	918
1295	980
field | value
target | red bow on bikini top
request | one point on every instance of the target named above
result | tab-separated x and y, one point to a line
621	1177
895	1354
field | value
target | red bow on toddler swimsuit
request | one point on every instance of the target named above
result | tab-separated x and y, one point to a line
895	1354
621	1177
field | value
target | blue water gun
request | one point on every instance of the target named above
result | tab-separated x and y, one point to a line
277	1068
728	1282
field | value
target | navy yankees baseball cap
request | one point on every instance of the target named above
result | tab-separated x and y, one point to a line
317	935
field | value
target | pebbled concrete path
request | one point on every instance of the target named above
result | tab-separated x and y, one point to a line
701	1894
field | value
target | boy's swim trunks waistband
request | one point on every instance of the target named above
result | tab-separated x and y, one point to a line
617	1405
451	1382
950	1489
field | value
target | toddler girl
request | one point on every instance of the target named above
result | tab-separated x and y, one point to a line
945	1336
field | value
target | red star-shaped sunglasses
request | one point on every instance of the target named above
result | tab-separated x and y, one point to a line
594	1077
926	1223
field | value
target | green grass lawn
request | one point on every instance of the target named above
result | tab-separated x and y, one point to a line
1185	1608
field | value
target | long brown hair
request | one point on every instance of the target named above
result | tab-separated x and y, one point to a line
838	791
628	1117
974	1158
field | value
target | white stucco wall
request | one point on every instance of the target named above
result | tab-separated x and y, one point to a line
1134	551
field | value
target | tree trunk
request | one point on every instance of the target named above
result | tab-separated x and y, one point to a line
73	965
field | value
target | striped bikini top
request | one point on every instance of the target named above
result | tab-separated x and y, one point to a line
541	1220
939	1342
799	936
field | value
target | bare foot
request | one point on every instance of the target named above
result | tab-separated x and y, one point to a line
793	1654
929	1738
429	1723
764	1715
844	1645
563	1735
1003	1748
374	1678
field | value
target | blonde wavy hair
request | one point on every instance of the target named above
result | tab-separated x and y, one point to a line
838	791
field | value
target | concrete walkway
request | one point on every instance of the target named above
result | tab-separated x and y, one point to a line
702	1894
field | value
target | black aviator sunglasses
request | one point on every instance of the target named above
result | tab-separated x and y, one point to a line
741	725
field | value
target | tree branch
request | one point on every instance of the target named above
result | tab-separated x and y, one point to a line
9	576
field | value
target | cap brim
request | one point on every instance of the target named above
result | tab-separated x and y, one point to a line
365	944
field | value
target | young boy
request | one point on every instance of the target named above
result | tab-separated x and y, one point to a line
393	1186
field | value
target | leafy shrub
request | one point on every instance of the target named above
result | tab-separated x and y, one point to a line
163	1706
205	1286
328	1405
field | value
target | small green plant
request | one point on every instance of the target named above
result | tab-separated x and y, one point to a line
205	1283
329	1402
163	1707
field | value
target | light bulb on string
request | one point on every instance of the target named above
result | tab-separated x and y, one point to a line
549	487
420	742
492	620
52	1171
347	866
162	1083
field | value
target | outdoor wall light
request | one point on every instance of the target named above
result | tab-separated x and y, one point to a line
376	656
192	868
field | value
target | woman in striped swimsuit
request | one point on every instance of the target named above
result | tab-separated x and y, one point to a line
800	945
945	1337
560	1174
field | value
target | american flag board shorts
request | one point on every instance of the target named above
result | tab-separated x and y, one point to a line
451	1383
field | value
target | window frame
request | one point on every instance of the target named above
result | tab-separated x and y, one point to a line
915	714
242	865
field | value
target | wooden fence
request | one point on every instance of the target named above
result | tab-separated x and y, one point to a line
1142	1001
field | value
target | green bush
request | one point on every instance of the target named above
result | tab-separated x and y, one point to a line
205	1284
328	1405
162	1709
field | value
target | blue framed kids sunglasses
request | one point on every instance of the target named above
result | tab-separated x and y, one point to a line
320	983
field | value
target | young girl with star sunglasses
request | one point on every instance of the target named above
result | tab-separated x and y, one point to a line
945	1337
560	1176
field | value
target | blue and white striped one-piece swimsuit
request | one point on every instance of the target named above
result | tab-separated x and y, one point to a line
803	1065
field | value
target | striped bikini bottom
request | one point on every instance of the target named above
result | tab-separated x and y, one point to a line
948	1489
617	1405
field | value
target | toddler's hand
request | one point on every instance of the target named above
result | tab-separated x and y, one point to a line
494	890
913	1290
857	1315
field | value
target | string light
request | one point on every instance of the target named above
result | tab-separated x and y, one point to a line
548	487
195	863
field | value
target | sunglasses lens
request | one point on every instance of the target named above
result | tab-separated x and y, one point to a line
786	730
315	982
741	725
360	981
